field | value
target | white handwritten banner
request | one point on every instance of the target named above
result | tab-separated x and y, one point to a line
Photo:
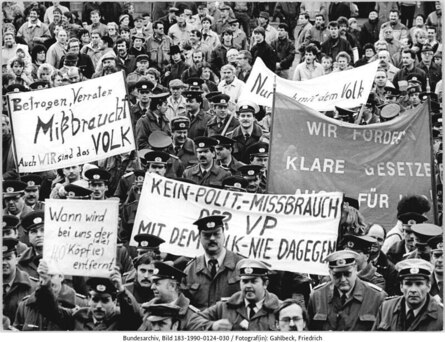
345	89
81	237
292	233
71	125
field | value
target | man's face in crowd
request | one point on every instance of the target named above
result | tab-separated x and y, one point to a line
192	105
437	261
427	57
144	274
57	17
225	14
159	30
95	18
333	31
260	160
194	38
181	18
222	152
111	28
228	75
309	57
431	33
384	56
206	25
415	291
74	75
326	63
253	184
138	23
205	156
35	235
162	289
62	37
95	39
369	53
109	63
342	63
17	69
221	111
164	325
72	173
33	16
388	33
14	204
302	20
137	43
291	319
6	129
74	47
9	41
180	136
9	264
212	241
176	57
142	65
246	119
176	92
372	15
85	38
31	197
407	60
125	34
242	60
144	95
197	58
56	283
414	98
319	21
99	188
253	288
157	168
101	305
282	33
419	21
232	57
206	73
259	38
393	18
409	237
344	280
121	49
227	38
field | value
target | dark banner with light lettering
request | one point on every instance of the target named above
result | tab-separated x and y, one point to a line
289	232
377	164
71	125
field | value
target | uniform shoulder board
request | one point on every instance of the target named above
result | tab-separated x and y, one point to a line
391	297
194	308
25	298
81	296
190	261
128	174
119	244
319	286
126	273
229	134
224	299
173	156
375	287
34	279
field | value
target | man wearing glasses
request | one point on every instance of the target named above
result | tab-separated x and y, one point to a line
345	303
291	316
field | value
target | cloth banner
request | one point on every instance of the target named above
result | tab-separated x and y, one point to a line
291	233
346	89
81	237
377	164
71	125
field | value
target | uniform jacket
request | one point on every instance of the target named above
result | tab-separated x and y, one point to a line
125	317
233	166
204	291
215	128
405	74
158	51
358	313
391	316
29	261
146	125
188	316
141	294
266	53
370	274
198	124
218	57
436	290
22	236
214	177
22	286
236	312
28	316
387	269
240	146
186	153
396	252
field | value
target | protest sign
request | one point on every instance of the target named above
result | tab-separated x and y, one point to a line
291	233
377	164
81	237
346	89
71	125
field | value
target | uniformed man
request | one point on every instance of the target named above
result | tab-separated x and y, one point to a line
345	303
144	89
140	287
98	182
398	251
16	283
28	316
224	157
161	141
211	276
436	246
153	120
197	116
149	244
223	121
157	162
422	233
416	309
184	147
71	174
344	114
235	183
32	193
33	225
366	270
162	317
206	172
250	309
10	226
259	155
166	281
74	191
102	313
291	316
247	133
13	192
252	173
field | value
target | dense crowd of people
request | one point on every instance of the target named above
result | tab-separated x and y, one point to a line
185	65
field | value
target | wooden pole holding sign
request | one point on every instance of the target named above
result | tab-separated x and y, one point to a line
270	128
